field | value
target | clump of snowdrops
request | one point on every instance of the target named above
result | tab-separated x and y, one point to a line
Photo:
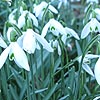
50	50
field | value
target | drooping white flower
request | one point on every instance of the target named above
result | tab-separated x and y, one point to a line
69	33
86	61
92	26
29	40
97	71
21	19
15	53
53	26
40	9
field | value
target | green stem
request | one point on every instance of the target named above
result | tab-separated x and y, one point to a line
62	64
32	76
37	75
42	64
51	73
28	86
31	5
4	83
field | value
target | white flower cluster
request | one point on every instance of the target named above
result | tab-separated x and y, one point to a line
29	39
92	26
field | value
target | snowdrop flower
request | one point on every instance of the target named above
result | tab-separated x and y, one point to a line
72	33
40	9
97	71
69	33
89	1
29	41
21	20
86	61
15	53
92	26
55	27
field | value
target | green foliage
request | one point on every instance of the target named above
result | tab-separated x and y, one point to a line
51	76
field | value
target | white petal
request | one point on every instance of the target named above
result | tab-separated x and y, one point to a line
2	43
59	50
87	69
91	56
41	15
94	24
43	41
37	46
45	29
53	9
20	41
85	31
63	38
39	9
69	47
55	43
35	21
85	60
97	71
11	16
29	42
59	5
57	26
72	32
43	4
4	56
55	31
21	9
20	57
21	20
98	25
